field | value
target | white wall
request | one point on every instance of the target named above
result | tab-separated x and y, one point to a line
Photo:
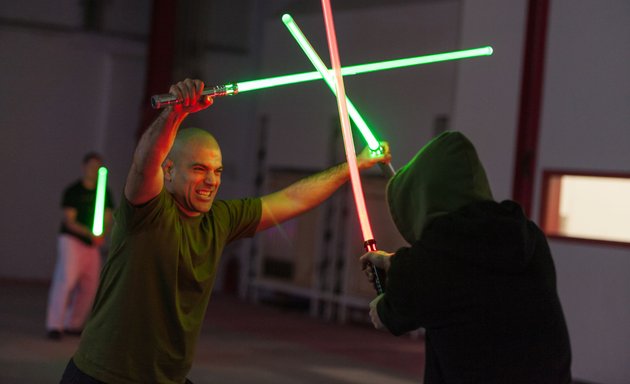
585	126
65	93
488	90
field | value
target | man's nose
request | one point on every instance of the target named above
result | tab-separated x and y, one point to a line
211	178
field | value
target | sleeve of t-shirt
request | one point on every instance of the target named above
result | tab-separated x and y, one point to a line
68	199
243	216
135	217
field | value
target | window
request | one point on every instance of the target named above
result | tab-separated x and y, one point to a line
586	206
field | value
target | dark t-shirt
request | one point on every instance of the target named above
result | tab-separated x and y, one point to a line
155	288
82	199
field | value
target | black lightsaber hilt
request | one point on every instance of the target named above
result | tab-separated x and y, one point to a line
166	99
379	274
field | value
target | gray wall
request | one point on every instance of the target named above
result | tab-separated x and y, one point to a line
65	93
585	127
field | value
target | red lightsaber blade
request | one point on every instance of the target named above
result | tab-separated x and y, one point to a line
369	242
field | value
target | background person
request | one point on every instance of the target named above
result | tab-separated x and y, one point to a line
75	278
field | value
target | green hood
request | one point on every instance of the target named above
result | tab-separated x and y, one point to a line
445	175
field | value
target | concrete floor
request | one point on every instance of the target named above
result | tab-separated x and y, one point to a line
240	343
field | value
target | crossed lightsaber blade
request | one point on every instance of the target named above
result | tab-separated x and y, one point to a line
322	72
343	103
166	99
346	108
334	80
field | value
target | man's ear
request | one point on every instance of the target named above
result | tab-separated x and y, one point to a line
167	168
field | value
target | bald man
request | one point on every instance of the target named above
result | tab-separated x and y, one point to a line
166	244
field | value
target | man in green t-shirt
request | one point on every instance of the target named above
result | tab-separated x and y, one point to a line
167	240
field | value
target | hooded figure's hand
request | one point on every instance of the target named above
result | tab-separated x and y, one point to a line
379	259
376	320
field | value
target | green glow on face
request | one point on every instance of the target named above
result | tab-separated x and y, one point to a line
99	205
317	62
363	68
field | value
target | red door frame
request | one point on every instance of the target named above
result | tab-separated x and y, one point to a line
532	84
160	58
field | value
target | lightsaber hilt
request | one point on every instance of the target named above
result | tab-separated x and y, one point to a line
166	99
387	168
379	274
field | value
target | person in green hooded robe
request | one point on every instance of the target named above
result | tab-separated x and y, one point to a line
477	275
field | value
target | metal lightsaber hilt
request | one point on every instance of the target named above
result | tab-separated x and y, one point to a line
387	168
166	99
379	274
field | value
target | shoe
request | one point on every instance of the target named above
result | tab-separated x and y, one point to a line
54	335
73	332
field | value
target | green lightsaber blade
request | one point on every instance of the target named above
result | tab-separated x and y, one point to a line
99	205
365	68
328	77
163	100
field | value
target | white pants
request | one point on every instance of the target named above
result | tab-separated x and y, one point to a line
73	285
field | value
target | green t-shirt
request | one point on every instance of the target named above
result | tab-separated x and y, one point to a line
155	288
